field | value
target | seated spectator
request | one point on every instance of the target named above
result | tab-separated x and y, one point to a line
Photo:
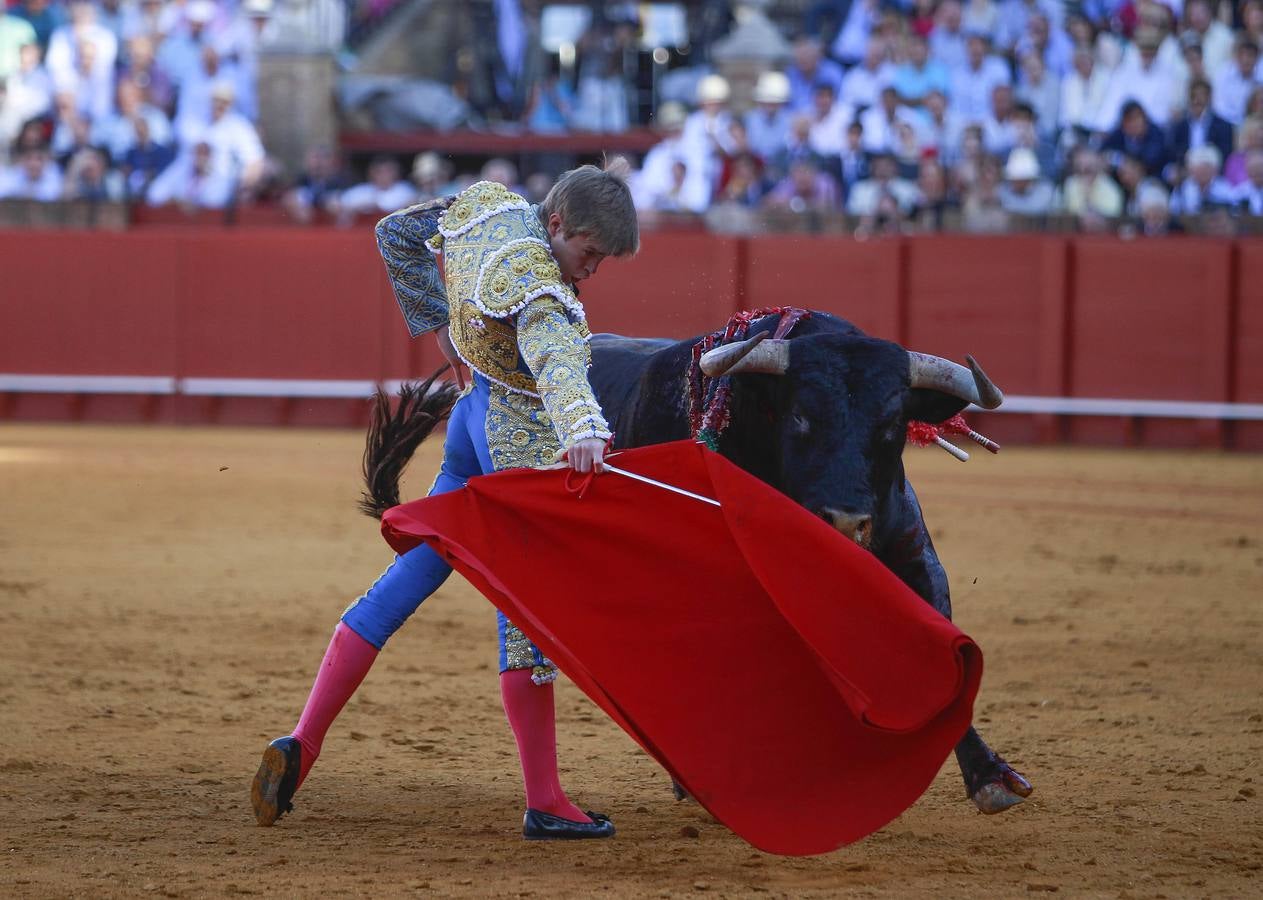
881	122
193	182
1014	20
601	96
1041	92
973	85
810	68
145	159
853	163
870	197
940	128
1090	194
383	192
431	175
805	189
908	150
34	176
1212	36
934	199
501	171
15	33
1249	139
67	46
320	184
236	146
1050	44
862	85
1249	193
917	75
767	124
1146	80
154	81
1137	137
90	178
707	133
980	17
1025	191
550	108
1153	217
981	210
947	39
1197	127
1203	186
997	127
742	182
28	94
659	174
968	157
193	109
93	89
829	121
1234	83
72	131
117	132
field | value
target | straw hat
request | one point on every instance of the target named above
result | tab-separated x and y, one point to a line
772	87
713	89
1022	165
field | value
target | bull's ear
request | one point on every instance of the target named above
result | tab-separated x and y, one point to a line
926	405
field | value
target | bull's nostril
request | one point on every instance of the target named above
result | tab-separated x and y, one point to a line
856	526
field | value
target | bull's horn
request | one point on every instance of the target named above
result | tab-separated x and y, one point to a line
940	374
751	355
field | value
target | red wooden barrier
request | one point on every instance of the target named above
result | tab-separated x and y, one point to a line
1049	316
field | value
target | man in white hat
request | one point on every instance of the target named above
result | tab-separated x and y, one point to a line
707	134
1024	192
767	124
235	145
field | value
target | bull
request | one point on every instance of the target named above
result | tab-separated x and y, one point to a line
821	416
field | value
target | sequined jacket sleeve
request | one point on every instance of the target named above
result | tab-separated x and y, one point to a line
414	272
557	354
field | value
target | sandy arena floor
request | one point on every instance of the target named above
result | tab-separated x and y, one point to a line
165	596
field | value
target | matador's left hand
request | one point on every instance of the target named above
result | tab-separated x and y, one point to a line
587	456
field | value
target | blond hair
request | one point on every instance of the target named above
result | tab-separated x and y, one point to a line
596	202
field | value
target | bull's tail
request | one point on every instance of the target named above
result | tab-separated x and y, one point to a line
393	437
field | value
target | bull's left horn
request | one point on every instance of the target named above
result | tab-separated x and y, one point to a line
754	355
972	384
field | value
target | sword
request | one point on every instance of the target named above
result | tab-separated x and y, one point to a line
666	487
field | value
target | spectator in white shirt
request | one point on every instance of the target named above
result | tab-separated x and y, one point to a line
1203	187
1051	44
235	144
881	122
1235	82
93	89
117	133
65	45
33	177
1041	91
852	39
810	67
706	135
1249	194
1146	80
997	127
973	85
1015	17
884	193
1090	194
1084	93
658	174
947	40
829	121
767	124
193	107
1214	36
981	17
383	192
862	85
28	94
192	181
940	128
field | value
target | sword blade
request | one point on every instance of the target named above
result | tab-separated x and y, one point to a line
666	487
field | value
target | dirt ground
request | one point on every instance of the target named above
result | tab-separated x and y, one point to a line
166	594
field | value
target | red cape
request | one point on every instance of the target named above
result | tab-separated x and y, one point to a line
800	691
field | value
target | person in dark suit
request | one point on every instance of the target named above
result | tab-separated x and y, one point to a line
1136	136
1198	126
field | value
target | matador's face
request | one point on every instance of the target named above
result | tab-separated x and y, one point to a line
577	255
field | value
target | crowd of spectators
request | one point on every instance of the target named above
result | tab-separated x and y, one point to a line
1113	114
143	101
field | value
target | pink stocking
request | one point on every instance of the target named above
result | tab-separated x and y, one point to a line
346	662
529	707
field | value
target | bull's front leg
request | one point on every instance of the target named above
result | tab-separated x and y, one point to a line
906	549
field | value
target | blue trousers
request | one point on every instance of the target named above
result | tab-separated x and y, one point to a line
417	574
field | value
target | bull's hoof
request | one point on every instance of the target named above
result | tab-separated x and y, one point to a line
678	791
997	796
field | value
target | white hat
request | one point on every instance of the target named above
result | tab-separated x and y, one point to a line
201	11
713	89
772	87
1151	193
223	90
260	8
1022	165
427	165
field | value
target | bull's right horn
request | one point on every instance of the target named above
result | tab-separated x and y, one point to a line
972	384
753	355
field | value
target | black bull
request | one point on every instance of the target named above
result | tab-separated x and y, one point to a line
821	417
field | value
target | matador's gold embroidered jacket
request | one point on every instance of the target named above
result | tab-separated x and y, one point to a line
511	317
